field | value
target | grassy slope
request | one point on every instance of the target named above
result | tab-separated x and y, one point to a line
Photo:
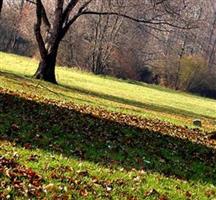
105	159
112	94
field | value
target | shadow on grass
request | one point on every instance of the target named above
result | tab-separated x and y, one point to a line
104	142
141	105
134	103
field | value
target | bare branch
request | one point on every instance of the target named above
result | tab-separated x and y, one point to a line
68	9
145	21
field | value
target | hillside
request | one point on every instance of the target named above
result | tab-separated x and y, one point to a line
93	137
113	94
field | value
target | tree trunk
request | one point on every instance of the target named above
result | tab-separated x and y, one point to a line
1	4
46	68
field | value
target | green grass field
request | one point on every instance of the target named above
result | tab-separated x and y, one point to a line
93	137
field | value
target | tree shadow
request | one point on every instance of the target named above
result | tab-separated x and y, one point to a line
138	104
28	81
86	137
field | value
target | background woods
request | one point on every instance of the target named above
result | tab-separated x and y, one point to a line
171	43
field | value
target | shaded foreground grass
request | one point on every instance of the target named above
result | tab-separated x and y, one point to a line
112	94
89	157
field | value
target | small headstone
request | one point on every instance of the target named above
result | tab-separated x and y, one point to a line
197	122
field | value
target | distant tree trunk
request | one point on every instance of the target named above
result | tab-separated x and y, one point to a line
181	54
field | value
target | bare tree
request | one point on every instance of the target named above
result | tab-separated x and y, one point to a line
105	34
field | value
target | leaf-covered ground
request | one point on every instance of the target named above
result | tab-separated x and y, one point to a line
55	150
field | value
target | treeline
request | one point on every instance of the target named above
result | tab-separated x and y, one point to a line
181	58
